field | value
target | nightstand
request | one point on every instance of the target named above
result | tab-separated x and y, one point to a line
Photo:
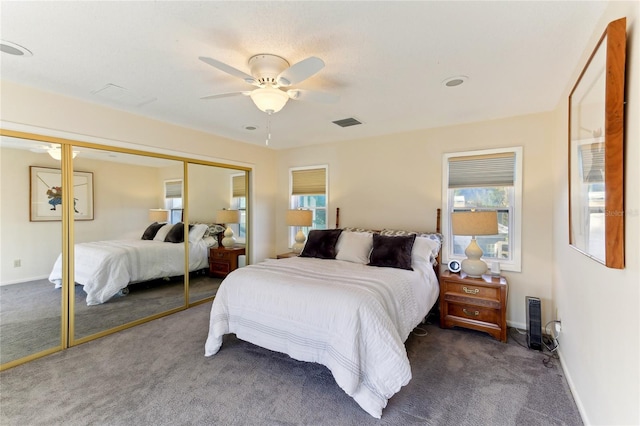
223	260
287	255
475	303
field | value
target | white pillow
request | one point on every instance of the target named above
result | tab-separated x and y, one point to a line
197	232
424	250
162	232
354	246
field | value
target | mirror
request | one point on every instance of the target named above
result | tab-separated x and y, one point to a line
596	152
121	278
115	191
30	306
211	189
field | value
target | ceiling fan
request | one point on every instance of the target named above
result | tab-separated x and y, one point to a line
269	73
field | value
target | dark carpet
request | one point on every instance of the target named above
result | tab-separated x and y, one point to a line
156	374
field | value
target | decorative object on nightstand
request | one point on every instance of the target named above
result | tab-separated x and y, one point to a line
158	215
299	218
475	303
228	217
223	260
474	223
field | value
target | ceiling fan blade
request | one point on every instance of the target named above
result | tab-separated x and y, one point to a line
229	70
300	71
312	96
227	95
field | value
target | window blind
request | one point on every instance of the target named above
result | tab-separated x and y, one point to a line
592	157
173	189
309	182
482	170
239	186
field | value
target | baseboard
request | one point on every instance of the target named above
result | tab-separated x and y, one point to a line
25	280
518	325
572	388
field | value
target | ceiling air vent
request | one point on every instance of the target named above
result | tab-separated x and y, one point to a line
346	122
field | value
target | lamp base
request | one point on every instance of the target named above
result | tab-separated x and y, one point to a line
299	244
229	240
472	265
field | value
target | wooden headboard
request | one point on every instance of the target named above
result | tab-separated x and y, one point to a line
436	267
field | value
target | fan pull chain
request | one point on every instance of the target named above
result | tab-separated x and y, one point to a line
268	129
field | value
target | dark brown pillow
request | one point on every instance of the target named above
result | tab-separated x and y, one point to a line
176	234
321	244
392	252
152	230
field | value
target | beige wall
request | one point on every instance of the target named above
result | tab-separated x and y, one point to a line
395	181
27	109
600	307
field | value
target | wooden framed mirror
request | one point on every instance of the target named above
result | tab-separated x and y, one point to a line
596	151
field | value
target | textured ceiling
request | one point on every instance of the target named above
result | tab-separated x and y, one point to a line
385	60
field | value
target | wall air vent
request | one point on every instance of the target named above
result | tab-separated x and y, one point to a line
346	122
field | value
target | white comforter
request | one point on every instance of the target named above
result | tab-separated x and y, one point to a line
106	267
350	317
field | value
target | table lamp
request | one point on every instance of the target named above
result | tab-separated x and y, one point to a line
158	215
227	217
299	218
474	223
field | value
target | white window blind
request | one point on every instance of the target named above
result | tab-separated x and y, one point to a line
173	189
482	170
239	186
592	157
309	182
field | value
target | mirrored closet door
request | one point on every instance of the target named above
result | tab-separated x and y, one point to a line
123	273
31	229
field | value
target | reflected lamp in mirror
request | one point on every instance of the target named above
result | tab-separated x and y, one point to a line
474	224
299	218
158	215
228	217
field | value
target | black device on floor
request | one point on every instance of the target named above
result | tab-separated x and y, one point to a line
534	323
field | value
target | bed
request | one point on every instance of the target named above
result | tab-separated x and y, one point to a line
349	302
105	268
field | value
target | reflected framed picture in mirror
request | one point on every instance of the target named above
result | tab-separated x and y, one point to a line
46	194
596	151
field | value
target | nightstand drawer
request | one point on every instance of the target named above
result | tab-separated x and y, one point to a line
470	289
222	254
219	267
471	312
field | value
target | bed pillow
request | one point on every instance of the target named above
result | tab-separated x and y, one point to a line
152	230
354	246
175	234
425	250
433	236
196	232
321	243
392	252
162	232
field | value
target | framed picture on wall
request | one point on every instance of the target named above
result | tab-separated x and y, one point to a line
46	195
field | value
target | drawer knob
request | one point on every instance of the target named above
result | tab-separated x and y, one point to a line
471	290
471	313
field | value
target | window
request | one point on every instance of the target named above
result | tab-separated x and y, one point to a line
239	202
308	190
488	180
173	199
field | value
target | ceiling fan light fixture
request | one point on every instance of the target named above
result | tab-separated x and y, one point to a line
269	100
56	153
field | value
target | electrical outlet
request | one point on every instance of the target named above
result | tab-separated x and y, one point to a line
17	263
558	327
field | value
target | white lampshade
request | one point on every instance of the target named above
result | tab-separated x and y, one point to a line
158	215
473	224
227	217
299	218
269	100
